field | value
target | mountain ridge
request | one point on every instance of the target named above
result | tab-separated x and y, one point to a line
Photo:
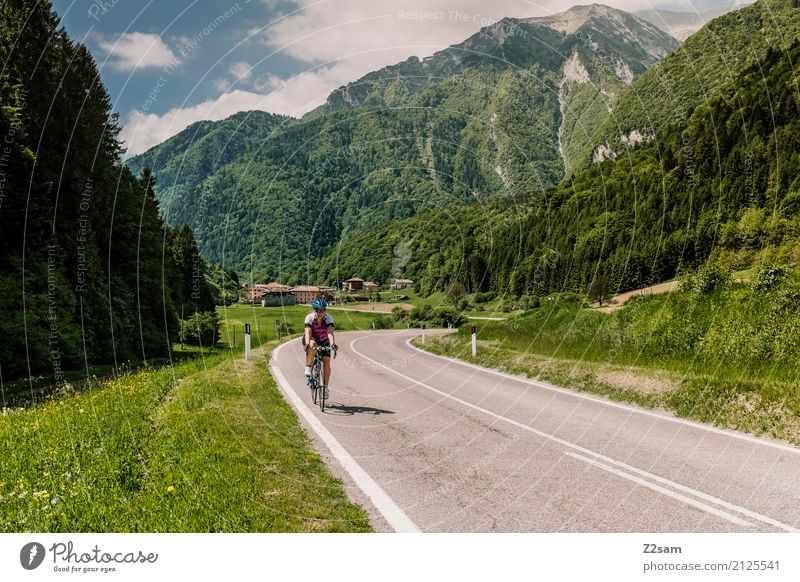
510	110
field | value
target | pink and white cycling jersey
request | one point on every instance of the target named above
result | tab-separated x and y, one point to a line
319	331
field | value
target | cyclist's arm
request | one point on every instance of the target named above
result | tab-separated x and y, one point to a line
331	335
307	332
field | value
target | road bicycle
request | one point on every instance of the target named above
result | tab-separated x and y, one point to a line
315	380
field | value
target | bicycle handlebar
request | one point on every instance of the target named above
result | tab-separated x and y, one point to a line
324	349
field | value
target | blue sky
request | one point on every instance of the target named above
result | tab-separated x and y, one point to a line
168	63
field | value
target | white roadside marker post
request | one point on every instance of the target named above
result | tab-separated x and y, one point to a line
474	343
423	334
246	341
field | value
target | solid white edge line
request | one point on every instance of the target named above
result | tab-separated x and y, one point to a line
565	443
391	512
546	386
663	490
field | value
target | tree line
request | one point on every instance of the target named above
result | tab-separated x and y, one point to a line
89	272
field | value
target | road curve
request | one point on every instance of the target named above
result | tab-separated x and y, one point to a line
431	444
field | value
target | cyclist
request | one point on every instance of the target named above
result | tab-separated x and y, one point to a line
318	331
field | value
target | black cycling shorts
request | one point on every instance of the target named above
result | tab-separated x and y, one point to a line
326	343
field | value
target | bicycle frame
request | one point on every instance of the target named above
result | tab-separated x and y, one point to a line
316	374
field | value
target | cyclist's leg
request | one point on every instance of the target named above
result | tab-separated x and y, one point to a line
326	364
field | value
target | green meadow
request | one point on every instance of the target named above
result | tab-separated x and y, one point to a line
205	444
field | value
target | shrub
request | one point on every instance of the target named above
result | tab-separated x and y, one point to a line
420	313
201	329
566	298
383	322
528	302
399	314
441	316
462	304
447	317
484	297
708	279
769	277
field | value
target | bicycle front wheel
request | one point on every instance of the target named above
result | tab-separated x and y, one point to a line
317	385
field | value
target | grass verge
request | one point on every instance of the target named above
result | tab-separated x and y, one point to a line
208	445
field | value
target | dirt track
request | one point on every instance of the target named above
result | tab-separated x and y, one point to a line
617	302
376	307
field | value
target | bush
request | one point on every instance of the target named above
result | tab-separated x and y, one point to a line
708	279
566	298
528	302
462	304
420	313
447	317
439	317
399	314
201	329
484	297
383	322
769	277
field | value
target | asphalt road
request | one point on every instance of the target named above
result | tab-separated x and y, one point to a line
431	444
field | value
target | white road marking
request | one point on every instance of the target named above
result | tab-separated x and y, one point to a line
546	386
585	451
393	514
663	491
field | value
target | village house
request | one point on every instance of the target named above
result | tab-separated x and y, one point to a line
305	294
354	284
401	284
371	288
255	293
277	295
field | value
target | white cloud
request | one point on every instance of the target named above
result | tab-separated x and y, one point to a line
295	96
136	50
323	31
241	71
221	85
341	40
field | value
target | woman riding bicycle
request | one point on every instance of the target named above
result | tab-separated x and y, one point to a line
319	332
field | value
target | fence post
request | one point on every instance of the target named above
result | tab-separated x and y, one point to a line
474	343
278	327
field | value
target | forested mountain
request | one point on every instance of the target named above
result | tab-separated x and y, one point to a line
184	161
681	25
507	112
83	263
723	185
708	61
